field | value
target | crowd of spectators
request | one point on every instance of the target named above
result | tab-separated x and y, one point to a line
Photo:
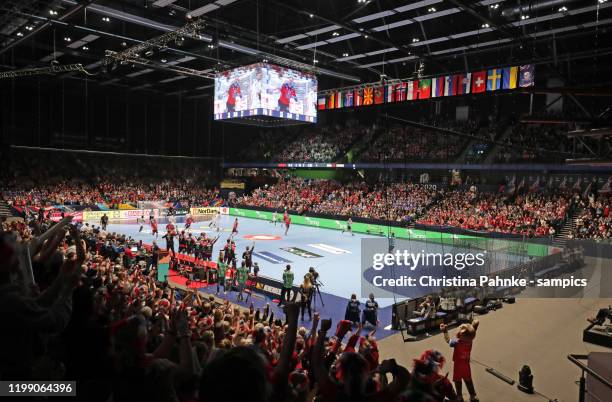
86	306
534	143
45	179
594	220
398	202
532	214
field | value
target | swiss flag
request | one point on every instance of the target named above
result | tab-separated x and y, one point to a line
479	81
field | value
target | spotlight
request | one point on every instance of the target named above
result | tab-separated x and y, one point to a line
345	54
602	1
524	17
85	48
29	27
563	9
149	53
311	15
163	60
494	6
431	9
415	40
52	12
67	39
105	19
335	34
366	36
315	61
19	34
485	25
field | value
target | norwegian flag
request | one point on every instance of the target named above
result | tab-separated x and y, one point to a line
348	98
400	92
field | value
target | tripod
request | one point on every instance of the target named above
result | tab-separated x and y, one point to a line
317	291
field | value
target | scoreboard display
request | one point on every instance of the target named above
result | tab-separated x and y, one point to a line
265	90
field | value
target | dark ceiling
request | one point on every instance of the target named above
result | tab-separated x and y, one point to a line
345	41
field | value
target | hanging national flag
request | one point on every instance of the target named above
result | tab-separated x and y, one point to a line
379	95
563	184
578	184
512	185
424	91
479	81
535	187
358	97
331	101
550	182
348	98
494	79
606	188
587	191
449	90
390	93
437	87
368	96
400	92
521	185
509	75
411	90
462	83
321	103
526	76
339	100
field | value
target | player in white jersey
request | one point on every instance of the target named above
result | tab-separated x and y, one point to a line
274	217
214	223
141	221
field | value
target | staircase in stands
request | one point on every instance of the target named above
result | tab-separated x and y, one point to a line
5	210
567	229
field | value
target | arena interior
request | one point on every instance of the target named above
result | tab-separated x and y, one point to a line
297	201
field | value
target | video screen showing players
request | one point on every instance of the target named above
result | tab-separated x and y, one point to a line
265	90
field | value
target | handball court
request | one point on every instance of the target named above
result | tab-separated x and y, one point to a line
535	332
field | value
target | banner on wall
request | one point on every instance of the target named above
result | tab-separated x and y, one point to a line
199	211
114	214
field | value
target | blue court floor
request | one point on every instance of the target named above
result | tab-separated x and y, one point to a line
336	256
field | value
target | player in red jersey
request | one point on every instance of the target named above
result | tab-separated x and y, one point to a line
188	222
235	228
170	228
287	223
232	92
153	223
287	92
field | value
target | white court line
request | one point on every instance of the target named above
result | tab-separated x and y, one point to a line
329	249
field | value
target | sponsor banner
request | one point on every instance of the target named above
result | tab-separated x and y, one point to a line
535	250
301	252
204	211
125	206
176	212
329	249
232	184
76	216
120	214
224	210
270	287
273	258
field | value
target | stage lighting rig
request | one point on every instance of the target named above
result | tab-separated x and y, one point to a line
53	69
112	58
160	42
